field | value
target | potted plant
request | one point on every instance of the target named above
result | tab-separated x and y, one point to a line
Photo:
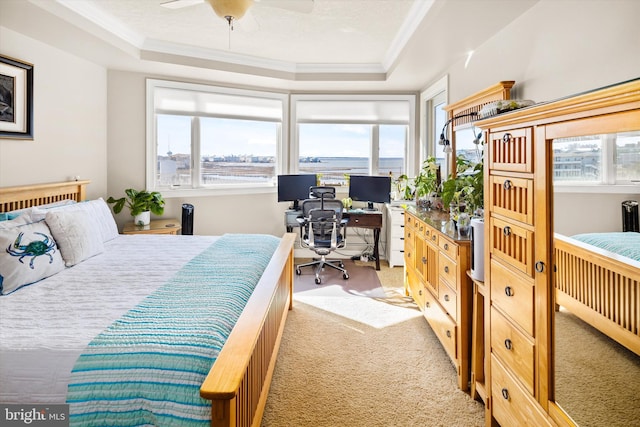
427	183
465	191
140	204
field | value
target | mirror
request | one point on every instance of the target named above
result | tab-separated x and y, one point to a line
468	143
596	377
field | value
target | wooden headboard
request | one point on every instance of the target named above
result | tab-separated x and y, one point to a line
25	196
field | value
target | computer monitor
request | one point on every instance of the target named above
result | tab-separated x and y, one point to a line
292	188
370	189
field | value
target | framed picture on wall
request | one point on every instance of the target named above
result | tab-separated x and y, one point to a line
16	99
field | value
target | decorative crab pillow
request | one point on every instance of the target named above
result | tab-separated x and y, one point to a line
28	253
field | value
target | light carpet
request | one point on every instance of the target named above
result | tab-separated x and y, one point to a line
351	360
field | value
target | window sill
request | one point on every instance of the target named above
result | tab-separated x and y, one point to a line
597	188
170	193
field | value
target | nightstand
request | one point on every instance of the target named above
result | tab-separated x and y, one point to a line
159	226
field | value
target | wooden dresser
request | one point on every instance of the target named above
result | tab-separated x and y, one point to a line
436	262
519	246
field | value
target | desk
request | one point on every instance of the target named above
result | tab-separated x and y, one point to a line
362	219
371	220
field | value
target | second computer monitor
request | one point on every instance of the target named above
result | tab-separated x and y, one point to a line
370	189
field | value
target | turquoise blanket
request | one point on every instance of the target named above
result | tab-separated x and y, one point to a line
625	244
147	367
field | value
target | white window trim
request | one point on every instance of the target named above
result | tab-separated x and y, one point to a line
151	141
426	146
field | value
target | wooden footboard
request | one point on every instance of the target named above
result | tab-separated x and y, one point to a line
239	380
601	288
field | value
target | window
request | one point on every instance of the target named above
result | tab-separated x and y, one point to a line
356	135
597	159
212	138
433	99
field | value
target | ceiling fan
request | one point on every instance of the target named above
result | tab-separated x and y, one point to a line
233	10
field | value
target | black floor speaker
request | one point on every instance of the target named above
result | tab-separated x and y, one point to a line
187	219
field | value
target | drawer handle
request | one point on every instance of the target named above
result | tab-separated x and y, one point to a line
420	292
506	231
446	298
506	138
446	246
505	394
539	266
424	259
409	234
508	291
433	237
508	344
446	268
507	185
448	333
421	228
426	304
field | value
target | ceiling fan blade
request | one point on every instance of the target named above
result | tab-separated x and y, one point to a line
179	4
300	6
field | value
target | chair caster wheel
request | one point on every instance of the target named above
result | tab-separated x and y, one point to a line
341	264
318	280
298	271
345	276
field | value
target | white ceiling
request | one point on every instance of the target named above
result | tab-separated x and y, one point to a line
338	45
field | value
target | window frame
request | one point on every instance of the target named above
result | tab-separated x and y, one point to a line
434	95
196	189
294	143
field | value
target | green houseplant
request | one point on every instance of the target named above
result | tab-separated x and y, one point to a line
140	203
427	182
465	191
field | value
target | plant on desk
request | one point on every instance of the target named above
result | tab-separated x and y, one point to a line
140	204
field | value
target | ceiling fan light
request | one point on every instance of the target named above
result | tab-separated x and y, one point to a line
233	8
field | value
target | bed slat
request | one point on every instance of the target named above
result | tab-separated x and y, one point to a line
602	290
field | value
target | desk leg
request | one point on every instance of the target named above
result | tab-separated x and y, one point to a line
376	253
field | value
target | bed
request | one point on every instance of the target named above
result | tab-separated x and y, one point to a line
597	278
101	296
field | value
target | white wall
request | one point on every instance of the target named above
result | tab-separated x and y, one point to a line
557	49
70	119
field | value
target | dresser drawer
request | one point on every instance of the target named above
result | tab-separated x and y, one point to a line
511	151
396	258
512	406
511	197
447	246
396	243
448	299
442	325
409	220
415	287
513	244
395	230
447	270
396	215
513	348
513	295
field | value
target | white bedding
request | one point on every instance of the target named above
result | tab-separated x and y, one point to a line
45	326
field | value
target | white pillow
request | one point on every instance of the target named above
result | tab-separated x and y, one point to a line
75	235
20	220
28	254
98	210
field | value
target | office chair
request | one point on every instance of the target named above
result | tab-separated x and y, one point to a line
322	229
317	192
